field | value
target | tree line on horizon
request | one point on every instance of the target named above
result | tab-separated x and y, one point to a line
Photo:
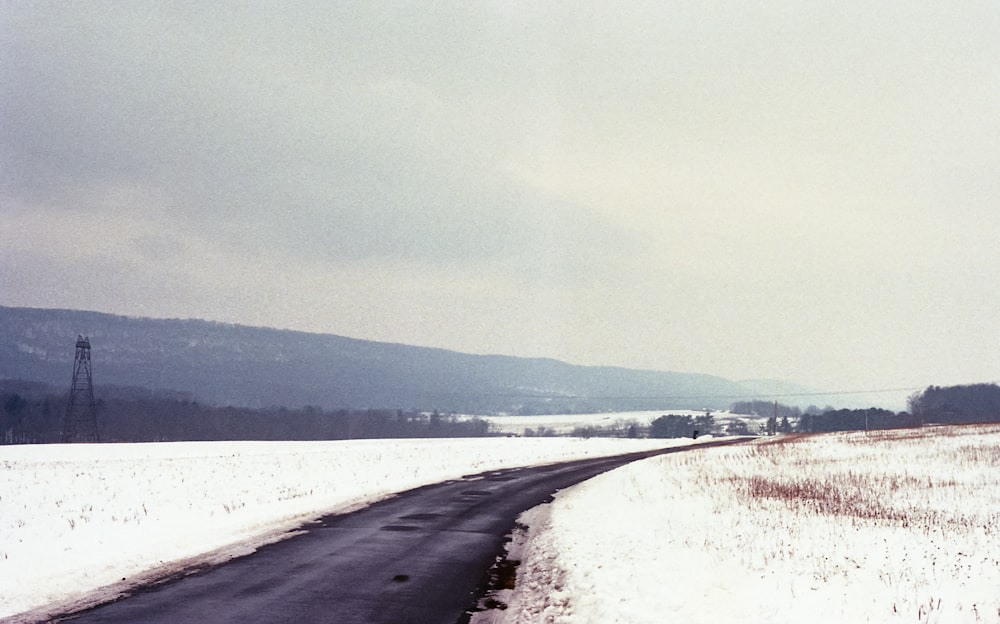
962	404
937	405
31	413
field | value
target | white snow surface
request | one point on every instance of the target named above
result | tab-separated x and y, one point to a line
80	523
888	526
564	424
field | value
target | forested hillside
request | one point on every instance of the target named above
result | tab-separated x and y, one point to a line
233	365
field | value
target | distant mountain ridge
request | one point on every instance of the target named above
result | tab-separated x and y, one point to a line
238	365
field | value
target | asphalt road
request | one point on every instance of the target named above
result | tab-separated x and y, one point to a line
420	557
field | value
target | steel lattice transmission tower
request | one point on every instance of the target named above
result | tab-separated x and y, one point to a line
80	422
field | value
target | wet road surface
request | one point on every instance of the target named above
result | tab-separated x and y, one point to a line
420	557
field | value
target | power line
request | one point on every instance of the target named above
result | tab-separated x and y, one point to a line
757	395
677	397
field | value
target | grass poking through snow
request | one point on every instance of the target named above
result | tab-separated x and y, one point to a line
880	526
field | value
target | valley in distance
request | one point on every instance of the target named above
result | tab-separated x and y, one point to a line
171	379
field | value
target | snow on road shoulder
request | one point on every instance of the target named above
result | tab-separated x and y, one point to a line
75	518
881	527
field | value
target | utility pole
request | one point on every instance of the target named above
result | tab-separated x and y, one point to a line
80	421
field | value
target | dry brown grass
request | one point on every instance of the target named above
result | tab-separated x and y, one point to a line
901	477
909	515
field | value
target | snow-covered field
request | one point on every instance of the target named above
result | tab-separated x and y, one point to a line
564	424
887	526
75	518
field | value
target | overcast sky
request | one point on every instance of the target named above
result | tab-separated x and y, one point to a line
779	189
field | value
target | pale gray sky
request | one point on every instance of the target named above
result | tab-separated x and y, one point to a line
795	190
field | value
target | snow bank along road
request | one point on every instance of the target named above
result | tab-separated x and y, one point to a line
83	523
886	527
419	557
